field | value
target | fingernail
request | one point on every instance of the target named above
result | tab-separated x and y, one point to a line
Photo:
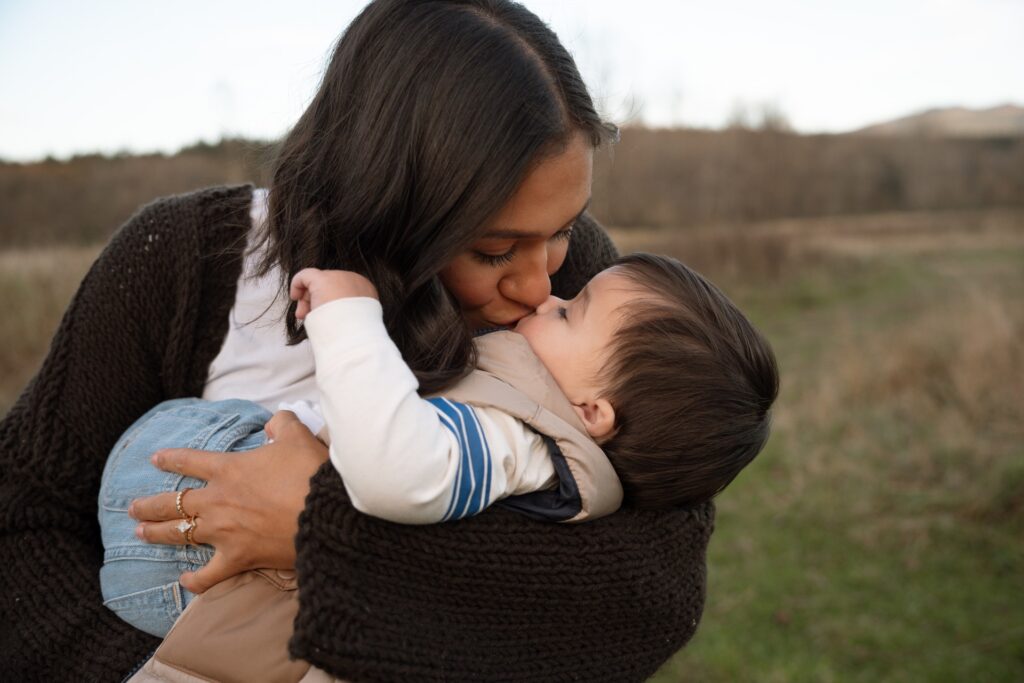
138	532
131	510
155	458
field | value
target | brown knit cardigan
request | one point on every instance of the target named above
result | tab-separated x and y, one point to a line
496	597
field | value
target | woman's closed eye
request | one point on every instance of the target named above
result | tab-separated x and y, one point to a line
564	234
506	257
563	313
495	259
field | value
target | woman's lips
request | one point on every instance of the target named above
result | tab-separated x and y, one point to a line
510	322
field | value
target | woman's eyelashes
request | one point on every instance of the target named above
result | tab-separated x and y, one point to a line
563	234
506	257
563	312
495	259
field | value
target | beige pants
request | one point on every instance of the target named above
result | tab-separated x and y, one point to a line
236	631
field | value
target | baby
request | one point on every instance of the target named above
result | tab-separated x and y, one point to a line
650	377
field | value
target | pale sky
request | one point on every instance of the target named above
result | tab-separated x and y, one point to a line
109	75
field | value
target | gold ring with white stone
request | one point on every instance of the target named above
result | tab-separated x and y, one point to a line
186	526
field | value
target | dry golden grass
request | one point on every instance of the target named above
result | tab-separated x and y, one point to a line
36	285
774	250
948	369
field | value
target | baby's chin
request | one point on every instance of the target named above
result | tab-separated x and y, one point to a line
518	325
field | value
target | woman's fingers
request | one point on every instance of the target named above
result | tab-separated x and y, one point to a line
248	510
204	465
154	508
285	424
163	506
215	571
170	533
199	464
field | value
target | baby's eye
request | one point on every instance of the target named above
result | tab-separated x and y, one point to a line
563	313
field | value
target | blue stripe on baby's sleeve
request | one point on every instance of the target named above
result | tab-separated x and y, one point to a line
471	488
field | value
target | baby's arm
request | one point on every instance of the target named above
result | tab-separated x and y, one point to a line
401	457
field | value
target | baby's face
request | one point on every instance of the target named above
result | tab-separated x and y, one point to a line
572	338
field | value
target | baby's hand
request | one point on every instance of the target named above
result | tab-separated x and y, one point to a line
312	287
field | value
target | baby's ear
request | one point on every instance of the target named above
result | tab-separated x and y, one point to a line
598	417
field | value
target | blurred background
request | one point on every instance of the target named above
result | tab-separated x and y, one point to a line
851	174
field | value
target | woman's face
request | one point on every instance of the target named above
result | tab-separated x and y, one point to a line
505	274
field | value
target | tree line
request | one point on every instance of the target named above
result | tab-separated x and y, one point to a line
651	178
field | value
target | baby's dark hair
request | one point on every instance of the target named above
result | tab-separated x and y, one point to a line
691	382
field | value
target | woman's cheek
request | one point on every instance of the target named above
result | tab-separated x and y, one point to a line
473	285
556	256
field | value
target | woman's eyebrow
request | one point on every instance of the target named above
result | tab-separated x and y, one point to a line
509	234
586	205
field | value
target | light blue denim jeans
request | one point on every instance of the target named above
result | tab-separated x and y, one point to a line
139	580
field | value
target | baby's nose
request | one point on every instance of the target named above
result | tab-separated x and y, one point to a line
550	303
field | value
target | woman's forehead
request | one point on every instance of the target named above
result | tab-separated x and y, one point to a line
552	195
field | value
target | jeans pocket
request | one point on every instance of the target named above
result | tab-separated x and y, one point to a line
153	610
184	423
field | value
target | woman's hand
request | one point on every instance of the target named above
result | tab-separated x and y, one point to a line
248	510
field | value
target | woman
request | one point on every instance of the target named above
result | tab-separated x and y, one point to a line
446	155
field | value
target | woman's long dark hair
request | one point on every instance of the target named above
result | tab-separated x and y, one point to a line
429	116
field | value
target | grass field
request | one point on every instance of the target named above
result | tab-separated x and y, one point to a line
36	285
880	536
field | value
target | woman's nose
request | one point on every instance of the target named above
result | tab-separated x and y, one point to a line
529	285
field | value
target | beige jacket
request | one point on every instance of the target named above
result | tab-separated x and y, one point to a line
239	629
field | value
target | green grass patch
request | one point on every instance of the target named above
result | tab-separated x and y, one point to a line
879	536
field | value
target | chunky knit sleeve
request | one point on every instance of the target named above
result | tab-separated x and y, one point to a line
498	596
590	252
127	341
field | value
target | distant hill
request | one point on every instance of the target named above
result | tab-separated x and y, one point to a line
1006	120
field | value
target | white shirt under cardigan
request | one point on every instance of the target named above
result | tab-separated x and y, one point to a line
401	457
